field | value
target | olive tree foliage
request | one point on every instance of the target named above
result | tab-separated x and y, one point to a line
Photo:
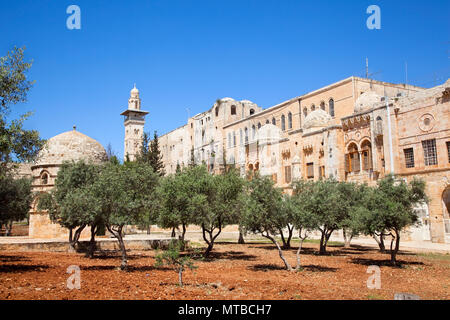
125	195
177	204
260	210
16	143
390	209
71	202
221	193
15	200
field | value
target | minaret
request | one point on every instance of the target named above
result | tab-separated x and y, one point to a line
134	120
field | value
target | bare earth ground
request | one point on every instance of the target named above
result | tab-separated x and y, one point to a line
250	271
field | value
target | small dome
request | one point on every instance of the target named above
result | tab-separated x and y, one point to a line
366	101
134	91
71	145
247	102
226	99
317	119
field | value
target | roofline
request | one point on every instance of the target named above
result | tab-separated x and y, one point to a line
315	92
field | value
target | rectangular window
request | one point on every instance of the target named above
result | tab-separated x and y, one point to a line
321	172
409	157
429	152
448	150
287	174
310	170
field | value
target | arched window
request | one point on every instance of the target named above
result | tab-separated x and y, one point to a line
234	138
289	120
252	111
229	140
313	107
233	110
283	122
366	154
331	107
274	122
259	125
253	132
246	135
267	121
352	159
379	126
217	111
305	112
322	105
44	178
240	137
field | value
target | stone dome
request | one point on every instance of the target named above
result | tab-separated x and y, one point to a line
71	145
317	119
134	91
366	101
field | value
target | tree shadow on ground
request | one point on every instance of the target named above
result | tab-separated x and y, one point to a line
306	250
5	259
317	268
19	268
230	255
107	255
130	268
271	267
384	262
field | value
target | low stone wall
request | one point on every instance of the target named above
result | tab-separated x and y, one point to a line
102	244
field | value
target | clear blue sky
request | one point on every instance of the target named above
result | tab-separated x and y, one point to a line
186	54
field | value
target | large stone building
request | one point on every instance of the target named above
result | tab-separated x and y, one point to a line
353	130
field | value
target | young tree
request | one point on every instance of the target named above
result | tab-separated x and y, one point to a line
176	207
144	155
221	193
301	219
15	200
173	258
125	195
71	203
155	156
261	201
324	204
391	209
353	198
16	143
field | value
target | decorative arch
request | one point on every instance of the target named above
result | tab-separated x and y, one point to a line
366	154
331	107
322	105
290	120
44	176
352	160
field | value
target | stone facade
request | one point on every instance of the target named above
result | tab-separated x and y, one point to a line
353	130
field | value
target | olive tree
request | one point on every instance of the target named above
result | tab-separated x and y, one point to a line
261	210
15	200
71	203
220	204
124	195
390	209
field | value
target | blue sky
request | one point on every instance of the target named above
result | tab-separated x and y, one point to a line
186	54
